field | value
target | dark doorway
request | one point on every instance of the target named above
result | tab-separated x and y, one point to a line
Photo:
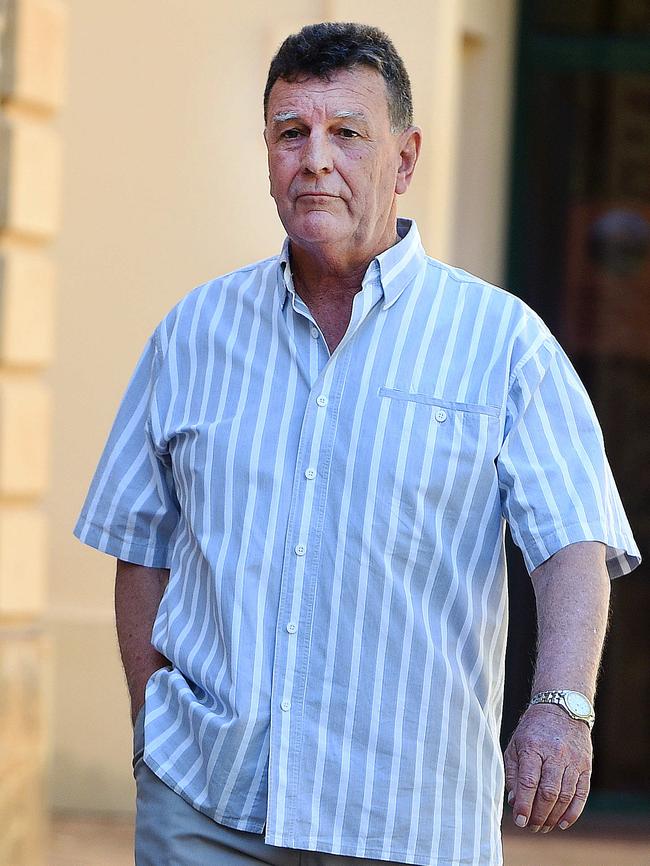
579	254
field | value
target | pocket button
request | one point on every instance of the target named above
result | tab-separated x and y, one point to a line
441	415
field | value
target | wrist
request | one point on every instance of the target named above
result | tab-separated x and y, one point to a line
575	704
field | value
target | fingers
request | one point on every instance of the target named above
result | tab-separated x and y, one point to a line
564	799
528	777
548	767
577	804
554	796
547	797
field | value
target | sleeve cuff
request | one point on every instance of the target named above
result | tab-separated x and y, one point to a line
622	555
136	551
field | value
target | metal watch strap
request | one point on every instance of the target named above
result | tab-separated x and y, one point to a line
549	697
558	697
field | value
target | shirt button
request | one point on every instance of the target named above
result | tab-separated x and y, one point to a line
292	628
286	705
314	332
310	473
321	400
300	549
441	415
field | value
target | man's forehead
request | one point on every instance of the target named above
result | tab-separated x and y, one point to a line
351	93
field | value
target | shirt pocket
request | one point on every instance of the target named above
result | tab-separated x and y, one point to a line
441	466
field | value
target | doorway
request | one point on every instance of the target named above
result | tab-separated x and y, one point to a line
579	254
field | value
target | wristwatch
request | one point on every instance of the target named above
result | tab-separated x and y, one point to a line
577	705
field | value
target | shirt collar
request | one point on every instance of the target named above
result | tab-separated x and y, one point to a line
396	267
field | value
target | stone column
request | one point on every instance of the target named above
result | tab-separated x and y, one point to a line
32	49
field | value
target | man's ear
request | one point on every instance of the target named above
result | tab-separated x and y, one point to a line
266	143
411	141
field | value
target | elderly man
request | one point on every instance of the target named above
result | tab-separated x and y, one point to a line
306	487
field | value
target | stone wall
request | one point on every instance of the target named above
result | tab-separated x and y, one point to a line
32	49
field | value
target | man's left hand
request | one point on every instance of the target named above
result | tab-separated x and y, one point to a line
548	769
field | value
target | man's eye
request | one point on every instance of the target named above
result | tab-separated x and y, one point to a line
291	133
348	133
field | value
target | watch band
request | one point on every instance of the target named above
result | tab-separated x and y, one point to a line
575	704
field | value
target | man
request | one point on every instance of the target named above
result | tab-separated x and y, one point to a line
306	487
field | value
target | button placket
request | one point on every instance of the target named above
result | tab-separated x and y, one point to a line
299	575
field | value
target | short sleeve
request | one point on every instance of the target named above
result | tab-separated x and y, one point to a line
555	481
131	509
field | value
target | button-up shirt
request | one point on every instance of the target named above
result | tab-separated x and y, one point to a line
336	611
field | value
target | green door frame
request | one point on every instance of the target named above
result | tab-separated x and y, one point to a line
595	53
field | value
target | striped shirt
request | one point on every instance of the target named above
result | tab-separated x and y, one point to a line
336	612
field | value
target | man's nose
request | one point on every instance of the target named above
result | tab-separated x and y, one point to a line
317	154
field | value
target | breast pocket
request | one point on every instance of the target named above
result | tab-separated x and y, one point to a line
442	462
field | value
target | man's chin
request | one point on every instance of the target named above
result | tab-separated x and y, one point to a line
316	227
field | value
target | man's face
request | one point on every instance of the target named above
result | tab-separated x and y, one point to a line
334	164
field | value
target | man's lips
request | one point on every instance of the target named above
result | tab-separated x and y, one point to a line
316	195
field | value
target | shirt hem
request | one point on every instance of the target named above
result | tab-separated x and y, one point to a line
395	856
251	826
296	843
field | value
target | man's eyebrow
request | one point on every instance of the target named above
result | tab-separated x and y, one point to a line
283	116
356	115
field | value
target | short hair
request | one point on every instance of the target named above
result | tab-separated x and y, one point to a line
319	50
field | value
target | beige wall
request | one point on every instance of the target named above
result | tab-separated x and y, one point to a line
32	50
479	221
166	186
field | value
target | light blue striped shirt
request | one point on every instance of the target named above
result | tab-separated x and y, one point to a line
336	612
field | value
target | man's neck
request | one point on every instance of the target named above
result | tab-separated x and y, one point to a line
325	278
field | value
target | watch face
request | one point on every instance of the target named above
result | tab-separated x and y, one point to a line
578	704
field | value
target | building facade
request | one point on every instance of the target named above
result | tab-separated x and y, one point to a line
149	177
32	52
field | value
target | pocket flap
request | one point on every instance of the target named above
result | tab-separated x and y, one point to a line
429	399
